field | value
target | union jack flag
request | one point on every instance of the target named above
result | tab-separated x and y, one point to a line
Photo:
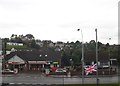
90	69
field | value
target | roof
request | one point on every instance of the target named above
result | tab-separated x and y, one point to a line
35	55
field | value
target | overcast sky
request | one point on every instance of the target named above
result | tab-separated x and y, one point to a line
58	20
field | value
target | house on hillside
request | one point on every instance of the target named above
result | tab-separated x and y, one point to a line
14	44
32	60
45	43
39	43
59	44
103	59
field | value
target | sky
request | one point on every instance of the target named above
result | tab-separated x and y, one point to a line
58	20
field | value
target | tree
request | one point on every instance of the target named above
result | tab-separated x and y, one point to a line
34	45
91	46
15	38
29	37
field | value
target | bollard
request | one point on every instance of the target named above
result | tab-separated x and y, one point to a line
98	81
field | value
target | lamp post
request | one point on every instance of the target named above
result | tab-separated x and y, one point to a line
109	51
4	51
82	60
97	79
109	55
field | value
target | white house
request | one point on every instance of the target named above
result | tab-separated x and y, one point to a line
15	44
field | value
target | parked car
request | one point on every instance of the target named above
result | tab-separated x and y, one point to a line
61	70
8	71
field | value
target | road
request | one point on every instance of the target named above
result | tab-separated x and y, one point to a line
41	79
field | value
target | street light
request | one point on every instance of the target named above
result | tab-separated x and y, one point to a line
82	60
4	51
109	51
97	79
109	55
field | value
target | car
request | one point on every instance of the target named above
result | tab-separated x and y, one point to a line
8	71
61	70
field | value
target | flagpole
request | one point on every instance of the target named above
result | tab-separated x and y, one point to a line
97	80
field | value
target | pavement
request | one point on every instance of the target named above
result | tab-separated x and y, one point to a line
80	76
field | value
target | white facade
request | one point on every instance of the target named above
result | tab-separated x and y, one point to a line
40	44
51	45
16	60
15	44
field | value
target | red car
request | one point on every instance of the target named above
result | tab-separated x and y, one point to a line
8	71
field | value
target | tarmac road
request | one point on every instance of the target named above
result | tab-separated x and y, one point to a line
42	79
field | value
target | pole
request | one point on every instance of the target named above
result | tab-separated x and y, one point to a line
82	60
97	80
4	51
109	56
